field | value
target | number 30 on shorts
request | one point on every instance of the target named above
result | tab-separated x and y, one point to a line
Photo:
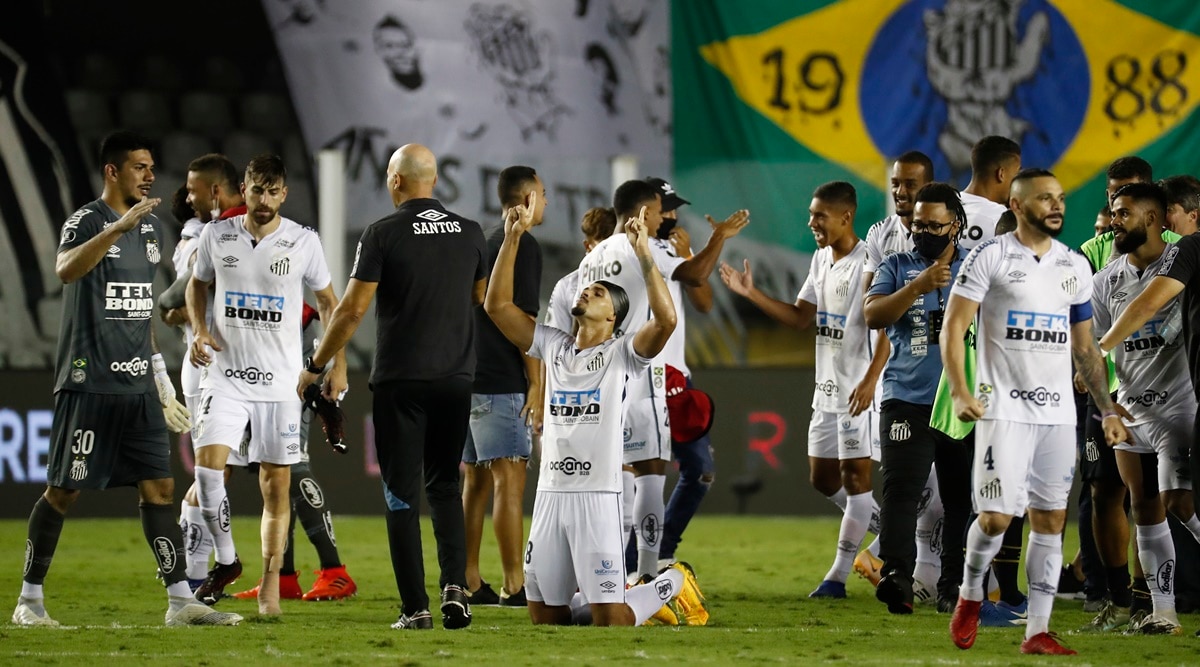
84	442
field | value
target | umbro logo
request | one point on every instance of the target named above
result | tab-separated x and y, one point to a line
1119	296
432	215
608	585
230	261
1016	275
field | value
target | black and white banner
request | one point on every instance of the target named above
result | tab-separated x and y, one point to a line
560	85
42	181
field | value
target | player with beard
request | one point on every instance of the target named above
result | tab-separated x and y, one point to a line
1098	464
260	264
1032	296
1154	388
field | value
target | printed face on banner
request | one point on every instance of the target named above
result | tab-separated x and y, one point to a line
564	87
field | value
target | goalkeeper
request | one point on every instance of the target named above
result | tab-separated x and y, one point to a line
111	412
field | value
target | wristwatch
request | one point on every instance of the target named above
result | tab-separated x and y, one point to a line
312	367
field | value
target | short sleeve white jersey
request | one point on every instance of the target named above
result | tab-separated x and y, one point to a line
844	345
258	305
674	351
1155	376
1023	369
885	238
582	440
982	216
562	300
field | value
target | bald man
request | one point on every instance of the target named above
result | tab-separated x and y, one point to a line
430	268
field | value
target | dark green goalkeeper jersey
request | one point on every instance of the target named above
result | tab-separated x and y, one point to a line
104	337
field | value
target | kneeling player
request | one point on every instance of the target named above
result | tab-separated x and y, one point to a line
575	540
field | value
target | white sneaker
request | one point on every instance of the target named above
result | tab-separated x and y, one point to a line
923	593
195	613
26	614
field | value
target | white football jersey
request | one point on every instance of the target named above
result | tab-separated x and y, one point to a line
582	441
1155	376
258	305
673	352
844	344
1023	369
189	375
885	238
982	215
562	300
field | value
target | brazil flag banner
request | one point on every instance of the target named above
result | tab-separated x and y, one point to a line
773	98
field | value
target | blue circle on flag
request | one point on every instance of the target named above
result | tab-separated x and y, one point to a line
988	72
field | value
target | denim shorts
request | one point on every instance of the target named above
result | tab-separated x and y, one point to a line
497	429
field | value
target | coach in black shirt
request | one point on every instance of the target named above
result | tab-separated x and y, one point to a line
429	267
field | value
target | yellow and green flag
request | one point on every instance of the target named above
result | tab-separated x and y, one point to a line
773	98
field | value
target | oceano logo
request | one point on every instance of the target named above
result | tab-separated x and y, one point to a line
571	465
250	375
1039	396
135	366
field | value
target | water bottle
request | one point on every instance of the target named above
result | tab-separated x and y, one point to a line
1173	323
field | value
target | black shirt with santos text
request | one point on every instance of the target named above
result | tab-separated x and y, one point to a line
426	261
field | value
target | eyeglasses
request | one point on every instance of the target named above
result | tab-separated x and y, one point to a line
931	227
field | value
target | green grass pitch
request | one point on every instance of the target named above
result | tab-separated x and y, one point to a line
756	573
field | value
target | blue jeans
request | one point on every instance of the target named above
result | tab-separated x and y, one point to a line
497	429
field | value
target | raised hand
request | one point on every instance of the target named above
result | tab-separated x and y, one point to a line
681	242
740	282
136	212
519	218
731	225
635	230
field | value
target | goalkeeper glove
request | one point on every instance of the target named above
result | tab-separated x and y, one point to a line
177	416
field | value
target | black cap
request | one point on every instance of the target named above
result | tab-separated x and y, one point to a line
670	199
